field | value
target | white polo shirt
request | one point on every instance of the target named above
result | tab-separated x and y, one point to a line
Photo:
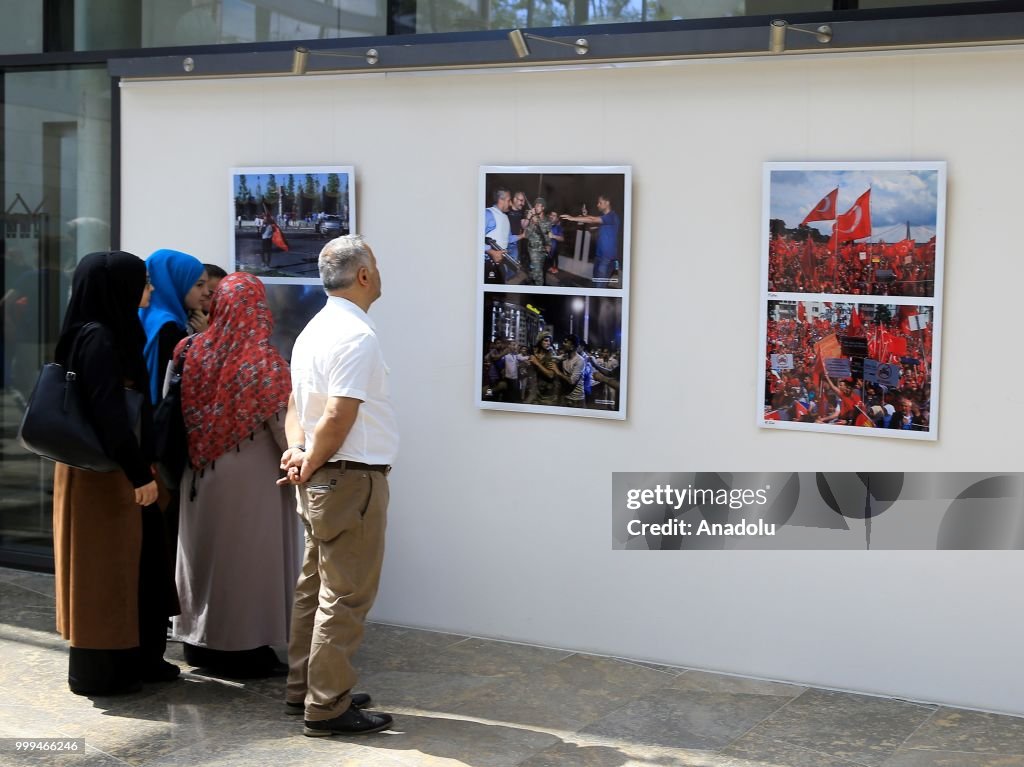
338	355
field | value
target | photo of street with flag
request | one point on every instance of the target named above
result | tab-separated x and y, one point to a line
832	366
282	216
872	230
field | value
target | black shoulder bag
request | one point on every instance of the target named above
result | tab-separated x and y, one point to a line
56	425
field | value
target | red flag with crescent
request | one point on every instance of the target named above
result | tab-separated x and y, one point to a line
856	222
825	210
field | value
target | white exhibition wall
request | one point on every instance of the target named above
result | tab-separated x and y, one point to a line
500	522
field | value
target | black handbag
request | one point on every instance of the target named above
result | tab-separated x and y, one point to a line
55	425
171	439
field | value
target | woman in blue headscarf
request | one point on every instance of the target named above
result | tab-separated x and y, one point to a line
179	286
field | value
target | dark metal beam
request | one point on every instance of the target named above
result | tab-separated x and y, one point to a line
608	43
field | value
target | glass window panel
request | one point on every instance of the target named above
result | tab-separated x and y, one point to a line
56	187
22	28
467	15
207	22
101	25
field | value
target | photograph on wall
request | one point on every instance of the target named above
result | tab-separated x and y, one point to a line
851	298
555	353
281	217
555	227
868	231
850	367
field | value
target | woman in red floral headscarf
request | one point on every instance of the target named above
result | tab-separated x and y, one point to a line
238	538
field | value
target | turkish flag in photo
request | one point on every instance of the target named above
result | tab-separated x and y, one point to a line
855	323
825	210
856	222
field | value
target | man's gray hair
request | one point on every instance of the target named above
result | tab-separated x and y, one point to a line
340	260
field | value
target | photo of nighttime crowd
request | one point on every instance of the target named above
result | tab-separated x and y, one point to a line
543	351
849	366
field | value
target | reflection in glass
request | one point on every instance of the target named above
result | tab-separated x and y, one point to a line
209	22
468	15
56	187
22	30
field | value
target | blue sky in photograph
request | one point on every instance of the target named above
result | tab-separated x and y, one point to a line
897	196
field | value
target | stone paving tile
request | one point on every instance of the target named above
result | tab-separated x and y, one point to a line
912	758
858	728
690	719
754	751
14	596
273	747
426	740
40	583
708	681
971	732
480	657
34	625
398	639
423	691
566	695
582	750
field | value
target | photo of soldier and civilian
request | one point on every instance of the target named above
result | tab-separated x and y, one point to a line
554	229
856	365
882	245
552	350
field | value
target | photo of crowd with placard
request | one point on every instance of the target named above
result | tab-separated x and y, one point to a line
854	365
834	356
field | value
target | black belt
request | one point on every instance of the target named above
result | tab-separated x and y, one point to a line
346	465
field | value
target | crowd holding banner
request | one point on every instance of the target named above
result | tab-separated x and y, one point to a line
889	385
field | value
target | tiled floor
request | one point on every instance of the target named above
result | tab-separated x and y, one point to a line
463	701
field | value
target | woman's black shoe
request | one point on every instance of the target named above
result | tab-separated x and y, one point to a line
161	671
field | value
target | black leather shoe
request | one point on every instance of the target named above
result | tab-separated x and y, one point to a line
352	722
161	671
359	700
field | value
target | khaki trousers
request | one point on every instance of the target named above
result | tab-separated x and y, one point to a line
345	514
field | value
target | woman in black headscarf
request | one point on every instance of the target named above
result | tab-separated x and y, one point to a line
115	588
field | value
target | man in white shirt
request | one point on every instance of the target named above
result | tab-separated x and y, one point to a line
496	237
343	437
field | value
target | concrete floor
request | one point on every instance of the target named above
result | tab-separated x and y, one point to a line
466	701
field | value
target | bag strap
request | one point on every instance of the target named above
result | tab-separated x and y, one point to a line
179	365
72	352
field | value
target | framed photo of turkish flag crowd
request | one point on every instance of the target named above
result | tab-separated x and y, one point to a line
851	298
553	289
